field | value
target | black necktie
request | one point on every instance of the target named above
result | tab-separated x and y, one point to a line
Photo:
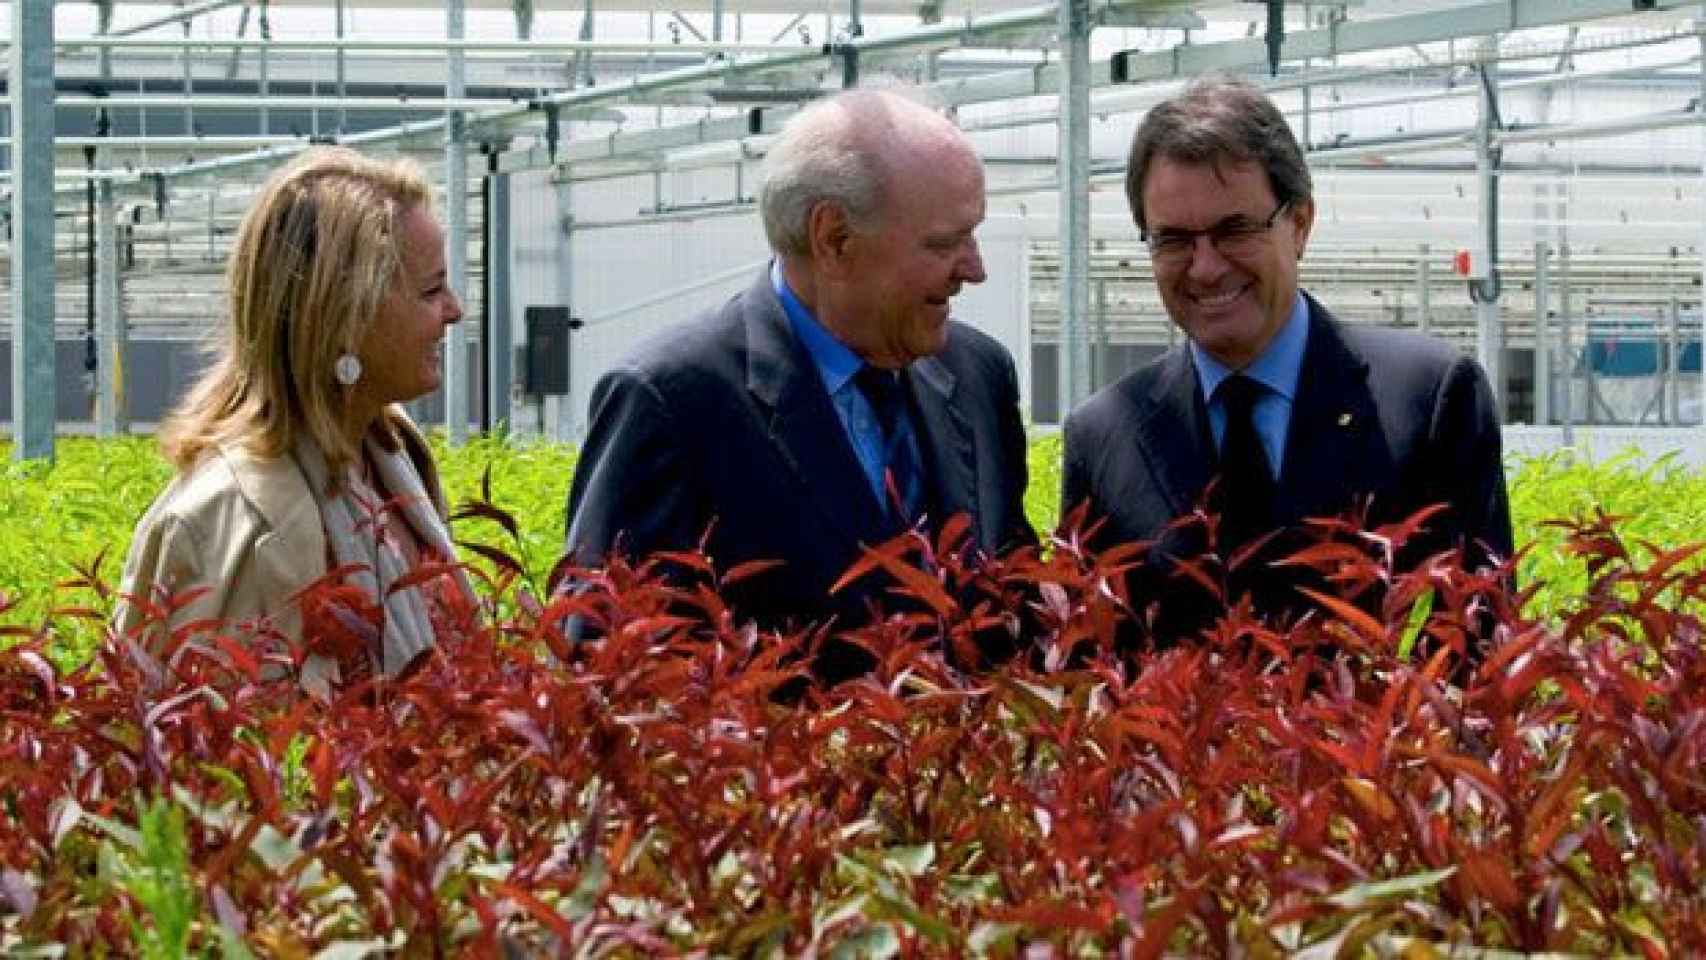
1246	479
885	391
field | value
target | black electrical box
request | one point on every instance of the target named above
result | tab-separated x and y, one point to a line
548	350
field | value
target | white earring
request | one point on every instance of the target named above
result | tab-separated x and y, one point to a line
347	369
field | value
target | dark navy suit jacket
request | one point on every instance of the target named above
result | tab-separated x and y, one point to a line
1398	417
725	425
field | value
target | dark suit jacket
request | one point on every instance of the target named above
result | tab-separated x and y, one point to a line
725	424
1398	416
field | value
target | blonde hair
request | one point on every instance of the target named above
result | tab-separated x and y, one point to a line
314	260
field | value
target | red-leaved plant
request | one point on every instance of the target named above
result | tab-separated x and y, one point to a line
647	793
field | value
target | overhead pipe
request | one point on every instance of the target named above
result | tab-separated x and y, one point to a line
424	45
226	101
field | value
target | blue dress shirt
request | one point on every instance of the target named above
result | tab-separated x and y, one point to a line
1277	368
836	365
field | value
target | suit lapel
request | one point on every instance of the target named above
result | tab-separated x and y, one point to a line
1333	421
1171	432
949	451
804	428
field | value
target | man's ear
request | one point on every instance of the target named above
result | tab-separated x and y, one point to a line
1301	218
828	231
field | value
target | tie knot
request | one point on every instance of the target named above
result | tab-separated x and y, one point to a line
884	390
1238	394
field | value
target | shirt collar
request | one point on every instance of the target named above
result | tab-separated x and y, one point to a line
835	363
1277	367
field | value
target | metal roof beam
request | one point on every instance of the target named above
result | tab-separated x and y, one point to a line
1344	37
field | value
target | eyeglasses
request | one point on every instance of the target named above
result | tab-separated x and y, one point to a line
1233	237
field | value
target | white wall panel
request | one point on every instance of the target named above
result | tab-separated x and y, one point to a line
632	283
1000	306
536	245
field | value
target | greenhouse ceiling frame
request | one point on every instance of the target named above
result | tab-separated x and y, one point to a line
465	120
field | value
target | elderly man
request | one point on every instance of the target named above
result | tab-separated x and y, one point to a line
833	404
1291	413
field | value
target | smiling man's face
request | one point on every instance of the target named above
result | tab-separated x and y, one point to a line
906	269
1230	302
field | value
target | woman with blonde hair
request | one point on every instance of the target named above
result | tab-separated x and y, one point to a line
293	457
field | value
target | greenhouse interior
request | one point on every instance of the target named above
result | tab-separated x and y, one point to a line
1521	178
491	577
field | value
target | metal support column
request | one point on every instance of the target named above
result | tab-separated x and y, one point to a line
189	80
1099	372
1424	289
31	86
1566	345
264	69
212	221
1074	172
523	18
111	330
1700	25
497	342
1673	362
558	420
456	387
1542	336
338	68
1566	334
1484	284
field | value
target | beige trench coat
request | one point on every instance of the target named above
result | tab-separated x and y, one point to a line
246	527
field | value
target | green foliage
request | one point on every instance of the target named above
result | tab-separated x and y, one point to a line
1662	504
55	522
529	479
77	511
1042	497
152	865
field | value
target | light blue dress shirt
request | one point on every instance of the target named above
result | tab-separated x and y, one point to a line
836	365
1278	368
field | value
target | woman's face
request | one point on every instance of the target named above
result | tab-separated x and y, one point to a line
401	358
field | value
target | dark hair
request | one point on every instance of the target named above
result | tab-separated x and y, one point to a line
1217	119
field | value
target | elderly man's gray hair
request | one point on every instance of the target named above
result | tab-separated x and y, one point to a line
836	151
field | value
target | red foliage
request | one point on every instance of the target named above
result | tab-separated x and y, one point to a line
647	793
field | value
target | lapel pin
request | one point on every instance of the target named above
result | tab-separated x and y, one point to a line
1344	419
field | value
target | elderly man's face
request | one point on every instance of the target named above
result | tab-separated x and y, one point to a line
1226	272
915	257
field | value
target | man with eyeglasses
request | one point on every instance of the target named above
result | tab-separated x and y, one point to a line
1272	408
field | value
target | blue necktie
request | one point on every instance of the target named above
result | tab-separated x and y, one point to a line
885	391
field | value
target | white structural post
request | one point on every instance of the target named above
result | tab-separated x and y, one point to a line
497	339
1074	170
338	67
456	386
1566	324
1673	362
562	414
1424	289
111	330
111	333
1484	282
1700	26
33	388
1542	338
